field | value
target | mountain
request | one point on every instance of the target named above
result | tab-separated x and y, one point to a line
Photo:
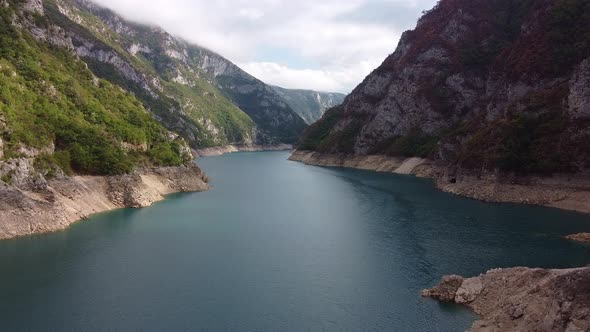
276	120
310	105
479	85
57	117
148	62
193	91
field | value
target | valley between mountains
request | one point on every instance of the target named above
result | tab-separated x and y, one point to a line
490	99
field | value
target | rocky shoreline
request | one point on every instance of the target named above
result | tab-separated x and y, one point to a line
517	299
564	192
221	150
522	299
65	200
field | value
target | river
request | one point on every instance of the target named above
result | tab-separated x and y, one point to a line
276	246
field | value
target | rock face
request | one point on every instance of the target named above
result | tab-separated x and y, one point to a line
478	85
34	6
65	200
310	105
522	299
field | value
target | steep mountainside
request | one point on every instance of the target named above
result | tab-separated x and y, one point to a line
73	144
277	122
310	105
149	62
177	81
56	116
482	85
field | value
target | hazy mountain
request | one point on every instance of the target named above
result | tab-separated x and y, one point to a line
310	105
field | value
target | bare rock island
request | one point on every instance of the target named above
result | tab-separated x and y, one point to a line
522	299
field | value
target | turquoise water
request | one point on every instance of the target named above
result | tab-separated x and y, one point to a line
276	246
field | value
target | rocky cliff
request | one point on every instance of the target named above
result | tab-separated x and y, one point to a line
478	85
522	299
310	105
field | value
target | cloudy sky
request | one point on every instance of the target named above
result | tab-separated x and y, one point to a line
328	45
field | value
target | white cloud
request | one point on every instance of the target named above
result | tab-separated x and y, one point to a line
332	44
314	79
251	13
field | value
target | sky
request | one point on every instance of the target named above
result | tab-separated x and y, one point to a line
326	45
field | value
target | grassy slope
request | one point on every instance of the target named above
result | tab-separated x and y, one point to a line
47	96
203	104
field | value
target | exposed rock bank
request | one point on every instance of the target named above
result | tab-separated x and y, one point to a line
221	150
564	192
377	163
69	199
522	299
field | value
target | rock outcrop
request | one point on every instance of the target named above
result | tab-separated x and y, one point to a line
581	237
65	200
522	299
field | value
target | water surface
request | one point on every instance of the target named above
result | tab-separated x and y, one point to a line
276	246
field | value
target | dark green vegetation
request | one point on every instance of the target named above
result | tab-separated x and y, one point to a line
49	97
524	143
569	33
318	132
320	137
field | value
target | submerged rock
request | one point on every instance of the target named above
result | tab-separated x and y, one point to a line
581	237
